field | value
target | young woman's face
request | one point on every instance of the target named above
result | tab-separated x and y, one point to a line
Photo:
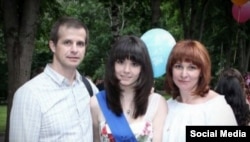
127	72
186	75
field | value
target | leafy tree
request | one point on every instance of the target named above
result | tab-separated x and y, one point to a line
24	47
212	23
49	12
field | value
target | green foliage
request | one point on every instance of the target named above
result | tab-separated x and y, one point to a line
136	17
3	116
170	19
159	83
221	33
99	73
50	11
95	16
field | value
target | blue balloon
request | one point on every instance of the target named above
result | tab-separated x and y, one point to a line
159	43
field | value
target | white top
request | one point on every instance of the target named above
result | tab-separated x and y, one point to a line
49	109
142	130
213	112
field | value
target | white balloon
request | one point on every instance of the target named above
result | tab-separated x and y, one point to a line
159	43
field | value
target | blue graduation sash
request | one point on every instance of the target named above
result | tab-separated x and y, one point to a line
118	124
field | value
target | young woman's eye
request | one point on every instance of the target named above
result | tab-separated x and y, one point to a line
135	64
119	61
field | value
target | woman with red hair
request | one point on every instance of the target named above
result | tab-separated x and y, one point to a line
188	75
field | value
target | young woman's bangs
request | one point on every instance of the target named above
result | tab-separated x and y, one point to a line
129	53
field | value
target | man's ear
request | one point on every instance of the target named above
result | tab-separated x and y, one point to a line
52	46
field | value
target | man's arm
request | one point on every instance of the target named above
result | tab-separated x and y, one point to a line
25	117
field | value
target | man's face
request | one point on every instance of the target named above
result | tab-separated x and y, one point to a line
70	48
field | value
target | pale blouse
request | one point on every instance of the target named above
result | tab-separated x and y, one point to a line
213	112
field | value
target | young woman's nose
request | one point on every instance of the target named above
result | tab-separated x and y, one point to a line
126	67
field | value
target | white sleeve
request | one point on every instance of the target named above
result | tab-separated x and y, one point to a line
222	115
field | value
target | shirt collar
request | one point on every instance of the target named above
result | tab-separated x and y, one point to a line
58	78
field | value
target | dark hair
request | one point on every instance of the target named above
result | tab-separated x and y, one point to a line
231	85
247	85
68	22
190	51
132	48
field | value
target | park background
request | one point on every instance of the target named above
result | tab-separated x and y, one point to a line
25	27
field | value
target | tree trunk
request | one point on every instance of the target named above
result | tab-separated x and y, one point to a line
244	54
193	15
20	25
204	12
183	18
115	20
156	12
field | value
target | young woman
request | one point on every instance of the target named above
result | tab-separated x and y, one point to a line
247	86
128	97
192	103
231	84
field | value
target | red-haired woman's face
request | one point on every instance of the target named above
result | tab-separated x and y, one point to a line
186	75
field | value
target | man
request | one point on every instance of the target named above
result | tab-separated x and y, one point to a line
54	105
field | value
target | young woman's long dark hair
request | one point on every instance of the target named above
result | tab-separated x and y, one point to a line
231	85
132	48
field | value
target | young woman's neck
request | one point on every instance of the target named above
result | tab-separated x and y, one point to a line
127	95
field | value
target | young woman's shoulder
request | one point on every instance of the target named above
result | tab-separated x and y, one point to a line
94	102
158	96
159	100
